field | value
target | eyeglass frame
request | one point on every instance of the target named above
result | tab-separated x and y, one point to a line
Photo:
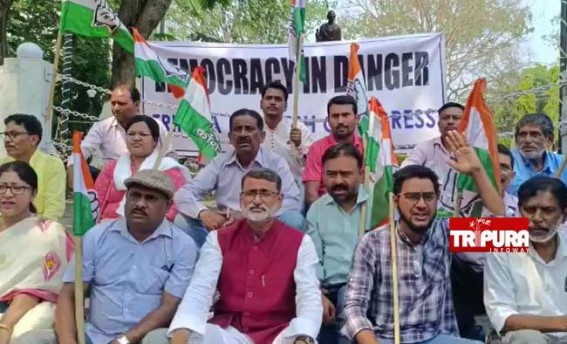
13	135
265	195
11	188
422	195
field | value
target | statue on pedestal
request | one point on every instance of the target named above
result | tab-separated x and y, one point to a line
330	31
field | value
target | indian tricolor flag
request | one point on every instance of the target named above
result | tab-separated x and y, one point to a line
85	200
381	160
95	18
295	31
478	127
194	115
150	64
356	88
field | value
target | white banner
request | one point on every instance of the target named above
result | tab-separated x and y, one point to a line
406	73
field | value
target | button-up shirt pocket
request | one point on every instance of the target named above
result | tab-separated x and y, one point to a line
151	281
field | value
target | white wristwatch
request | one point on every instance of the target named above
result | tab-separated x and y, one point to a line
123	340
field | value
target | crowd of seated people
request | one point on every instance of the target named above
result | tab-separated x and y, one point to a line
282	257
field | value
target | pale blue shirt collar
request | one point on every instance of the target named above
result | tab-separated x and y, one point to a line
258	159
360	198
164	229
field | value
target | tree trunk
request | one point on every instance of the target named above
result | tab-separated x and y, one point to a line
4	12
145	15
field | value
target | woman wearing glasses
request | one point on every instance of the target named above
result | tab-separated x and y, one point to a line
142	136
33	255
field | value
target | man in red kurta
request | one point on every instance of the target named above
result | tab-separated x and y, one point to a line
264	272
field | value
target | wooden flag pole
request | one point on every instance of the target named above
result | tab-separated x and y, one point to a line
49	110
394	254
559	172
79	290
164	147
296	84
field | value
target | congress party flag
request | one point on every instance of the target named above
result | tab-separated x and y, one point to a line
85	200
356	88
295	31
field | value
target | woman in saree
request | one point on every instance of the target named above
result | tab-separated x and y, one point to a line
33	256
142	136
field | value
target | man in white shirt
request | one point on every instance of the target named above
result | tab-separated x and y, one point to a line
108	137
525	294
264	271
291	143
467	269
435	154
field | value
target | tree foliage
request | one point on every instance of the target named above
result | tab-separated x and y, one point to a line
478	33
535	89
37	22
239	21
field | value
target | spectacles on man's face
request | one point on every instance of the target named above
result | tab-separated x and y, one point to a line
14	189
414	197
265	195
13	135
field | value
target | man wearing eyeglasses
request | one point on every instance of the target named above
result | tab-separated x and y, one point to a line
264	272
21	140
426	311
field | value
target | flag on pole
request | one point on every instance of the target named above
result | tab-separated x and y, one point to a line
356	88
194	115
95	18
296	30
381	160
478	127
150	64
85	200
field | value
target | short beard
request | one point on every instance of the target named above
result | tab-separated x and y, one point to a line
418	230
252	216
532	155
550	235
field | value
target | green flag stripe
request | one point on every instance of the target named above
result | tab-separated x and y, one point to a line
82	214
198	128
152	69
465	182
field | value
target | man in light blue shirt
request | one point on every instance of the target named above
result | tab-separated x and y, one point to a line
136	267
333	222
223	174
534	134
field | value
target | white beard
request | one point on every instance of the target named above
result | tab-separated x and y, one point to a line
549	235
256	216
532	155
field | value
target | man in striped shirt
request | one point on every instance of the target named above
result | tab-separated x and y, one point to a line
425	311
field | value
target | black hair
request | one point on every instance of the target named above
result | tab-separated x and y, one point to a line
343	100
540	120
415	171
450	105
25	172
264	174
29	122
247	112
150	122
531	187
502	149
343	149
277	85
134	92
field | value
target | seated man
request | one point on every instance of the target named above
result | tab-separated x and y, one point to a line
524	293
137	268
222	173
333	222
534	135
264	271
467	269
342	118
426	314
21	140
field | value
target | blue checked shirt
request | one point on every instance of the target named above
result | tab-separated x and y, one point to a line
425	301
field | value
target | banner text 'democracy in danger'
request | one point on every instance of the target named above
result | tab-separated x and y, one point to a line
407	74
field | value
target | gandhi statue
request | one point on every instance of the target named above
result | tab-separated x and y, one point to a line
329	31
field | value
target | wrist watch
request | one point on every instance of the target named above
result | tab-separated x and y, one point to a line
123	340
305	339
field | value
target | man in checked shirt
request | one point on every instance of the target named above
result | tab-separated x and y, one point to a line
425	303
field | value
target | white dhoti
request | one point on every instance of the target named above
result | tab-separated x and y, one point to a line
214	334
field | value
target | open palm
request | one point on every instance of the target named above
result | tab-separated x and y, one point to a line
467	159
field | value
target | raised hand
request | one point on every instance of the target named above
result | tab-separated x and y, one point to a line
467	159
